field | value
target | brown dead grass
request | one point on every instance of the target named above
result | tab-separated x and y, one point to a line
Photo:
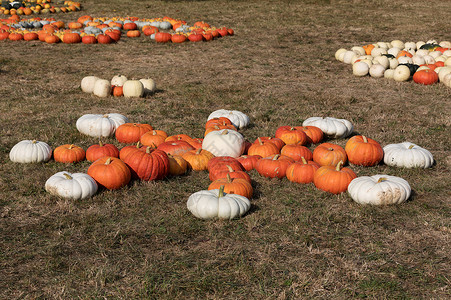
279	68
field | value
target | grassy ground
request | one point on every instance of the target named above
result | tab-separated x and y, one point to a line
279	68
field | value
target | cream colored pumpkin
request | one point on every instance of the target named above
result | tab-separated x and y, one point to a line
378	51
118	80
418	60
102	88
410	46
360	68
393	63
393	51
224	143
238	118
75	186
339	54
88	83
389	73
133	88
382	60
402	73
422	52
398	44
349	56
97	125
377	71
419	44
448	61
332	127
379	190
30	151
447	80
358	50
443	71
445	44
405	60
149	85
429	59
407	155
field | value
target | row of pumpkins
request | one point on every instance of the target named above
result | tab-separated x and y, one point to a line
118	86
88	30
425	62
221	152
29	7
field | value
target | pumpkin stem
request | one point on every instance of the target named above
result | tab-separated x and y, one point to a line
221	192
230	168
339	165
108	161
381	179
67	176
138	144
225	132
229	180
148	149
154	132
105	116
411	146
276	157
303	160
198	151
71	146
260	141
365	139
100	144
33	141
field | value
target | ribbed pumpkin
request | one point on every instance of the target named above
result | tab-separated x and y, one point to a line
175	147
333	179
148	164
231	172
131	132
218	121
314	134
276	141
128	149
163	37
99	150
263	149
249	161
177	165
328	154
196	143
197	159
296	151
178	137
291	135
223	163
219	127
110	172
274	166
236	186
302	171
68	153
153	138
363	151
71	38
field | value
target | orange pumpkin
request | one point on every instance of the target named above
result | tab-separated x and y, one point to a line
263	149
198	159
333	179
236	186
230	172
314	134
97	151
153	138
328	154
302	171
131	132
274	166
249	161
296	151
177	165
68	153
364	151
291	135
175	147
110	172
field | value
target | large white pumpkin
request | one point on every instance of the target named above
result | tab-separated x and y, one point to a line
75	186
379	190
133	88
118	80
402	73
217	204
224	143
149	85
377	71
97	125
88	83
360	68
407	155
30	151
332	127
238	119
102	88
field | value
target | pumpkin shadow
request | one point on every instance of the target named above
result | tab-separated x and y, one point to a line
412	197
157	91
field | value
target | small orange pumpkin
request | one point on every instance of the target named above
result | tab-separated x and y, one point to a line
302	171
328	154
68	153
332	179
198	159
236	186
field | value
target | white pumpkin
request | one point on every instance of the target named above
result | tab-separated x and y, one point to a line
441	58
410	46
118	80
88	83
393	51
377	71
224	143
393	63
419	44
422	68
217	204
30	151
447	80
398	44
358	50
382	60
75	186
422	52
149	85
133	88
405	60
379	190
238	119
445	44
407	155
102	88
389	73
383	45
332	127
418	60
448	61
429	59
378	51
360	68
402	73
97	125
349	56
435	54
339	54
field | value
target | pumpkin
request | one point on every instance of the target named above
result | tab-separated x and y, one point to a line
249	161
332	127
222	173
425	77
177	165
175	147
328	154
379	190
97	125
273	166
219	127
68	153
30	151
153	138
220	161
133	88
402	73
238	119
89	39
238	186
217	121
110	172
360	68
196	143
296	152
178	137
314	134
94	152
102	88
148	164
210	204
129	149
363	151
377	70
197	159
75	186
407	155
163	37
302	171
128	133
333	179
30	36
268	139
149	85
117	91
118	80
224	143
263	149
104	39
88	83
178	38
290	135
71	38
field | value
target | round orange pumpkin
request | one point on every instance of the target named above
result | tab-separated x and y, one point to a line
333	179
236	186
274	166
263	149
68	153
302	171
110	172
99	150
328	154
131	132
198	159
364	151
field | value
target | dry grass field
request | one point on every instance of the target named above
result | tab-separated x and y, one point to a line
296	242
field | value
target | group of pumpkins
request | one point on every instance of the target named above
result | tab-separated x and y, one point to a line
425	62
118	86
150	154
88	30
29	7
